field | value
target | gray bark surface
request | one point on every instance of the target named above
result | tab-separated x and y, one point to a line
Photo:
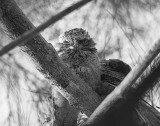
46	60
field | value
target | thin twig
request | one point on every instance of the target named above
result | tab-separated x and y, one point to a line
47	61
33	32
37	92
114	18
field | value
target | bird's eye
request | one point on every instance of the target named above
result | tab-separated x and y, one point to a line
83	42
86	42
80	41
66	43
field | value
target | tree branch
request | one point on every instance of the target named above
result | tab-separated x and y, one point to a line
34	31
46	58
131	89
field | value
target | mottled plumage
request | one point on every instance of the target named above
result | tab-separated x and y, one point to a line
77	50
113	72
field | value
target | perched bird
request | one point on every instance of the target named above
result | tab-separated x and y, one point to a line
136	113
78	52
112	72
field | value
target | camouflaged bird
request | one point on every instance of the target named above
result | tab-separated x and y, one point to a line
140	113
112	72
78	52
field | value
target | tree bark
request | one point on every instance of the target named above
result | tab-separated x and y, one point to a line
76	91
45	57
34	31
142	78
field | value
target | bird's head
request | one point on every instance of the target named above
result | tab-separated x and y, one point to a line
76	39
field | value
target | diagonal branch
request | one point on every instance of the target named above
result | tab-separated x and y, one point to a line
34	31
46	58
131	89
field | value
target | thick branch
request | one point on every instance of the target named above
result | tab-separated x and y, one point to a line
47	60
131	89
34	31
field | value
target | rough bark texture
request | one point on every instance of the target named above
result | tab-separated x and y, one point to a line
77	50
46	59
34	31
75	90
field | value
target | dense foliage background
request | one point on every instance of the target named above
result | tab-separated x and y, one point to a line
123	29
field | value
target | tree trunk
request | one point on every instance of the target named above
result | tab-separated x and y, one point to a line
47	61
45	57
